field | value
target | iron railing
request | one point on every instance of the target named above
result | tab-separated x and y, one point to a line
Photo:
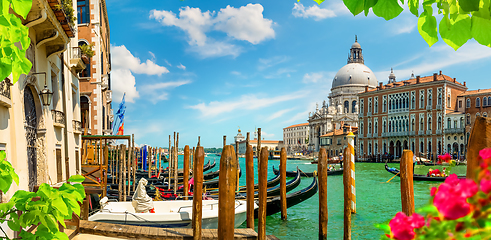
5	88
454	130
76	53
58	117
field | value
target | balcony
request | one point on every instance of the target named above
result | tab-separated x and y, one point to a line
421	132
5	93
454	130
438	131
428	108
412	133
58	118
439	107
76	61
369	114
109	96
62	17
369	135
77	127
428	132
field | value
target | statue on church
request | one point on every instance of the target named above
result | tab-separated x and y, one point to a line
340	108
356	108
332	110
324	104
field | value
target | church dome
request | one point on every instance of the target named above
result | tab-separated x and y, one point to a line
354	74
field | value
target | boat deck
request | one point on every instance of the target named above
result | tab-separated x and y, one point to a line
137	232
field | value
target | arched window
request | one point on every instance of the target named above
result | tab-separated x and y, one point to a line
468	119
421	125
385	106
448	123
484	101
461	122
468	103
439	123
478	102
400	126
429	123
421	147
422	101
413	102
385	125
439	98
369	128
375	130
390	104
86	71
478	115
449	104
375	110
485	114
489	100
353	104
346	107
430	103
390	129
412	124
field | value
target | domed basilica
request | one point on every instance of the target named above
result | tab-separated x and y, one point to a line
351	79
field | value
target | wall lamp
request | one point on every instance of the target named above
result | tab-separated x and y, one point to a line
46	94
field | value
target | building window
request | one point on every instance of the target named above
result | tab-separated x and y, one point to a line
429	123
346	107
461	122
385	125
449	122
421	100
412	124
376	127
439	123
468	119
86	71
390	126
375	110
362	107
83	11
353	108
421	124
384	106
413	102
485	114
439	99
468	103
449	104
430	93
489	101
460	104
478	102
484	101
369	105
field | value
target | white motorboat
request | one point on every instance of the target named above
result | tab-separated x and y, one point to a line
168	214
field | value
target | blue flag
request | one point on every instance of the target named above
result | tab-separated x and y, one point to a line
119	116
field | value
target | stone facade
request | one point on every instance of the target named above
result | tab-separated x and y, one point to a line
474	103
95	80
295	137
411	114
336	141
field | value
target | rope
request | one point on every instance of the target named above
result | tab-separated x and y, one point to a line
392	177
303	172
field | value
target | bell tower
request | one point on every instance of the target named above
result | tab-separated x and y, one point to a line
356	55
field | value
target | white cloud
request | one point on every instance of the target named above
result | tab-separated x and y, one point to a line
300	117
272	61
124	64
278	114
168	63
438	57
158	92
123	59
313	11
266	135
123	82
317	77
181	66
152	54
246	102
236	73
246	23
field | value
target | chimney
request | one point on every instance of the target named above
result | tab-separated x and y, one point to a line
434	76
440	72
380	85
366	88
417	79
464	83
454	80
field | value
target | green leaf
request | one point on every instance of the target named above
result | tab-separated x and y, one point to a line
5	182
319	1
14	225
44	191
354	6
456	31
22	7
3	155
388	9
368	4
427	26
73	205
413	7
480	30
51	223
59	204
76	178
61	236
469	5
384	227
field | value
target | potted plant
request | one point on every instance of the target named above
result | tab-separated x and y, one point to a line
87	52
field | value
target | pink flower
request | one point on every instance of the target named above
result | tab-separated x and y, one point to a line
485	153
486	186
445	158
433	191
451	197
402	226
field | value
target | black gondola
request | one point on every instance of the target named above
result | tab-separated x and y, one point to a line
418	177
307	174
271	183
273	205
275	191
165	173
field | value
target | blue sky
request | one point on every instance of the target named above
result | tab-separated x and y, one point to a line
205	68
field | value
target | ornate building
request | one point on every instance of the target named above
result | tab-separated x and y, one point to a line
351	79
295	137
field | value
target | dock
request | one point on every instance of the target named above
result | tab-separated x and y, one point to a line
138	232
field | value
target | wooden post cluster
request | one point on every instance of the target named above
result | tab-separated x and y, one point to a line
199	158
322	171
134	164
283	183
169	160
407	189
262	182
347	194
175	161
250	183
226	195
120	173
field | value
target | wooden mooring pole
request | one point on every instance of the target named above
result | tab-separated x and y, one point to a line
149	161
135	161
106	160
224	141
347	193
262	182
186	171
250	183
479	139
283	183
407	189
176	181
169	162
226	195
351	156
323	214
120	173
199	158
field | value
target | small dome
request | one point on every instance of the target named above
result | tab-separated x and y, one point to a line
354	74
356	45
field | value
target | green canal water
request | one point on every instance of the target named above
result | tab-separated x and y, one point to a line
377	201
